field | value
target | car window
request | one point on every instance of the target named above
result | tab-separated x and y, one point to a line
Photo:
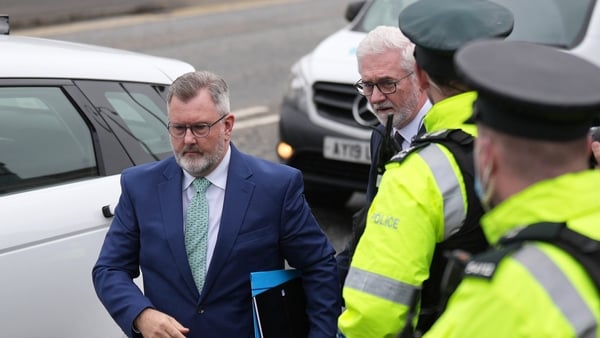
382	12
555	22
135	112
43	139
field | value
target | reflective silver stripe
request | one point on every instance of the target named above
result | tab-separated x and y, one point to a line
380	286
562	292
454	206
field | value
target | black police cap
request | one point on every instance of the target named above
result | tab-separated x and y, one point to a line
528	90
439	27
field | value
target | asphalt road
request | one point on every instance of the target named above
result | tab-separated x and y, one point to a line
36	13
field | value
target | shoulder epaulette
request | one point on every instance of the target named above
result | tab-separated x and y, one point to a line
457	135
445	137
484	265
582	248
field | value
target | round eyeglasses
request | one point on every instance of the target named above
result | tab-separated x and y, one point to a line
385	86
198	130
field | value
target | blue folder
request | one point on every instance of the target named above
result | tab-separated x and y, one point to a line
278	303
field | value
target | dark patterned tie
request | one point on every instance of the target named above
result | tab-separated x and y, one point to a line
399	140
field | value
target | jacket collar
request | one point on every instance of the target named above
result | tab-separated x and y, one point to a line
561	199
451	113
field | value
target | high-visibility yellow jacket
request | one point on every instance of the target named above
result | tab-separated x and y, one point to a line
540	290
421	201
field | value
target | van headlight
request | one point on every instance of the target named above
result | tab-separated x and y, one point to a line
296	94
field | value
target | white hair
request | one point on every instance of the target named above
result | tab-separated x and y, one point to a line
384	38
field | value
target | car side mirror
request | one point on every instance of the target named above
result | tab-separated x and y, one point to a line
353	8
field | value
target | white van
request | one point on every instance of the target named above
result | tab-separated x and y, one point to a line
325	125
72	117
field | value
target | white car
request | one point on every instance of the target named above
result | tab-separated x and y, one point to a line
325	124
72	117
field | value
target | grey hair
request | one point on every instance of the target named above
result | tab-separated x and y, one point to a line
384	38
186	87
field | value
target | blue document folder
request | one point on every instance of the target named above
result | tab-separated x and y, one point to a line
279	304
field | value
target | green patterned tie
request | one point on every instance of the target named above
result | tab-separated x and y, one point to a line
196	231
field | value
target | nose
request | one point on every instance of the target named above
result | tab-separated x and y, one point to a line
189	137
377	96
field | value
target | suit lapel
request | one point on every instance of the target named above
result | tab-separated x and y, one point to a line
172	212
237	197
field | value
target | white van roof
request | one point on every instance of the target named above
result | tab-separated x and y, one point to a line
28	57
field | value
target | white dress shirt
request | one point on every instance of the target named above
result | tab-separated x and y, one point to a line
412	128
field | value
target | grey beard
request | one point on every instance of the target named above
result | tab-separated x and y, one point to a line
202	166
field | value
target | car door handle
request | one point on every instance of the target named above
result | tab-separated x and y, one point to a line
107	211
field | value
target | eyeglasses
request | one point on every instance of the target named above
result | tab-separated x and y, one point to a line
385	86
198	130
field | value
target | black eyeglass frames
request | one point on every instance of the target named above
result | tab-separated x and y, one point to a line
198	130
385	86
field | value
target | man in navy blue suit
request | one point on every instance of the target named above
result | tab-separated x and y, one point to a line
257	219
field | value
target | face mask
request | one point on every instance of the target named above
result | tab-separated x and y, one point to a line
478	188
484	193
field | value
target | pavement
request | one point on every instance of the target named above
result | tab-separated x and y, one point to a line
39	13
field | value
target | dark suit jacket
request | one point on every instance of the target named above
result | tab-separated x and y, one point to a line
376	139
265	220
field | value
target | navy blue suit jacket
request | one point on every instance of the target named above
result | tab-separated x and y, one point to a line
265	220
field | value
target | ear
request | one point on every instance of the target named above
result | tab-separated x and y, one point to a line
229	122
483	154
422	78
491	155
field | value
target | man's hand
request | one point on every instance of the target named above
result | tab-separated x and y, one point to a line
155	324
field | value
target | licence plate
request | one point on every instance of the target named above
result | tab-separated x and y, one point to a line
346	150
